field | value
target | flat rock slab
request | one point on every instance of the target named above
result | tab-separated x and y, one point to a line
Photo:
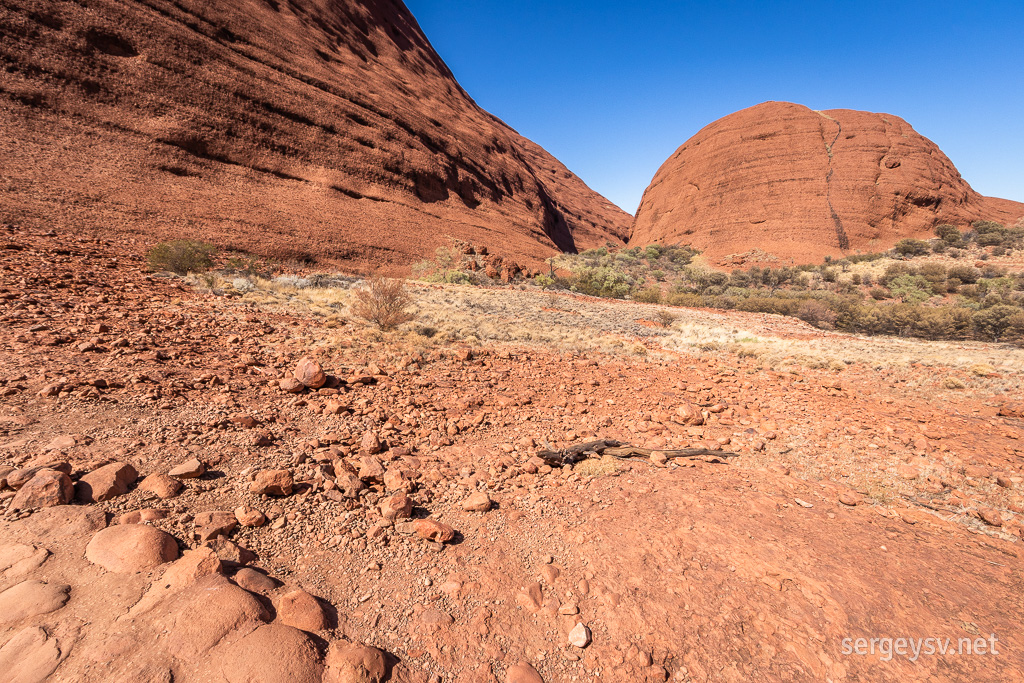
31	598
29	657
19	559
130	548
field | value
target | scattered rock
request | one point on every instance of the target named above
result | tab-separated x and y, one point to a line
47	488
309	373
141	516
249	517
255	581
290	385
522	673
105	483
354	663
273	483
850	498
433	530
161	485
477	502
579	636
210	525
303	611
190	469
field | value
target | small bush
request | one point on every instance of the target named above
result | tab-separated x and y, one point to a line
181	257
651	295
949	234
911	247
665	319
817	313
384	303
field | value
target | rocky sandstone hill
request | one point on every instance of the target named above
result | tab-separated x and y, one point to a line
801	184
323	129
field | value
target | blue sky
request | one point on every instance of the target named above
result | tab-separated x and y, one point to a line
613	88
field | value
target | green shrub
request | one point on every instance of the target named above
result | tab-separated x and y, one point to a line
911	247
992	323
949	234
650	295
181	257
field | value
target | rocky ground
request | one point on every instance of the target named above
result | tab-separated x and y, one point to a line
205	488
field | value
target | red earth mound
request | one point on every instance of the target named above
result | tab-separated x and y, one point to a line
323	129
801	184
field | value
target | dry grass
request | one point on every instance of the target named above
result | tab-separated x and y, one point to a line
460	314
596	467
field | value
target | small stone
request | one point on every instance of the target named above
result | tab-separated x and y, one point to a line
140	516
371	444
354	663
254	581
579	636
290	385
161	485
229	552
303	611
850	498
309	373
106	482
370	469
243	420
398	506
477	502
990	516
522	673
210	525
48	488
802	503
190	469
249	517
273	483
433	530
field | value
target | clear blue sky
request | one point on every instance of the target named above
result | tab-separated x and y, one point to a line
613	88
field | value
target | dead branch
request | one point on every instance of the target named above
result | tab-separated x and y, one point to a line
616	449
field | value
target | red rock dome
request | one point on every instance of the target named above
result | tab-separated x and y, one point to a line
801	184
326	129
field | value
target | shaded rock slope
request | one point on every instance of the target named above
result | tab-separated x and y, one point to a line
800	185
305	129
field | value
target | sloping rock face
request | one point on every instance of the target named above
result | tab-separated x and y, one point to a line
323	129
800	185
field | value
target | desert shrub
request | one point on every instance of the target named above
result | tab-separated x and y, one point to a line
383	302
910	289
665	318
181	257
989	239
895	270
911	247
949	234
544	281
650	295
992	323
684	299
965	274
816	313
603	281
987	227
879	293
